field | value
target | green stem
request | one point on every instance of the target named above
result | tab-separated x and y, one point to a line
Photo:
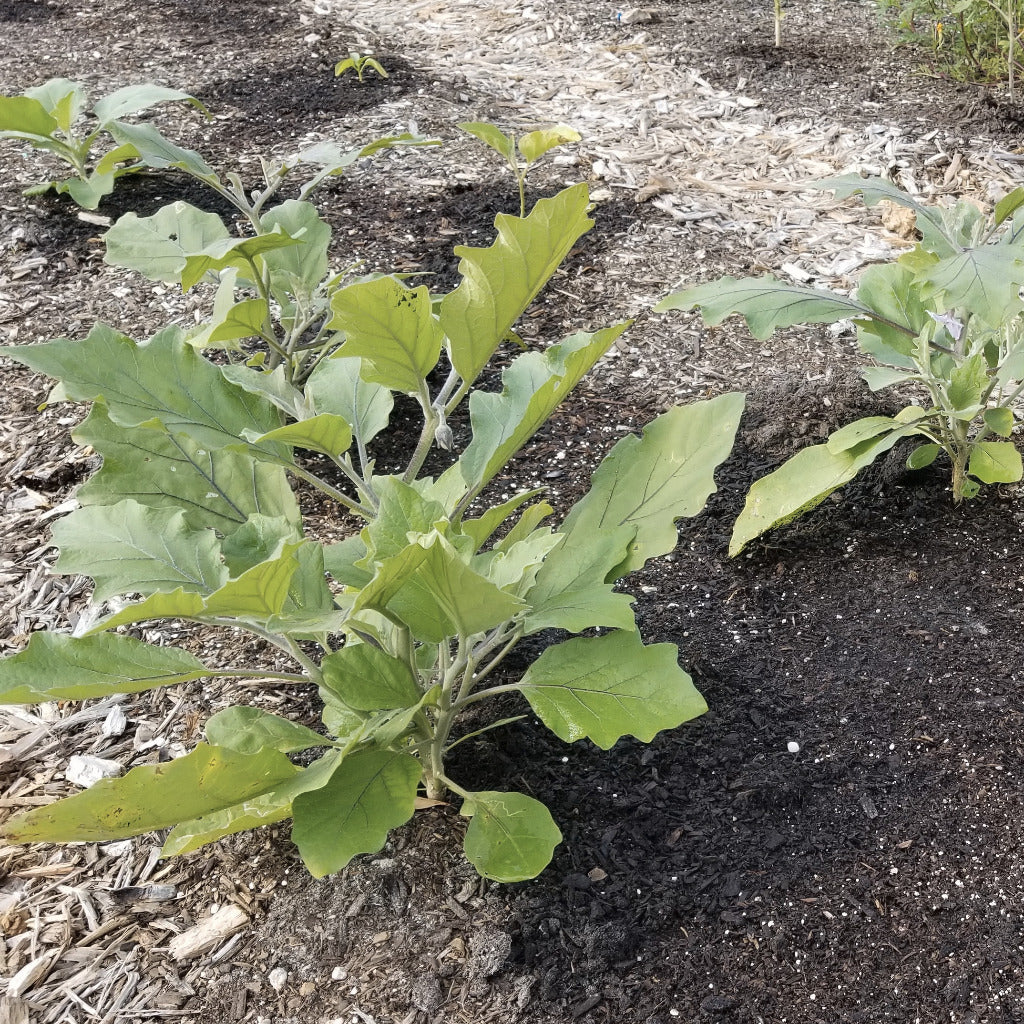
332	492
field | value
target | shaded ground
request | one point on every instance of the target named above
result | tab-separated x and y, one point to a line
873	875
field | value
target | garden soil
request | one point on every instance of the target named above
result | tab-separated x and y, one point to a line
839	838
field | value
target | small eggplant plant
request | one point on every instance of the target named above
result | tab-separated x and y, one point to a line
531	147
945	318
360	63
52	118
403	626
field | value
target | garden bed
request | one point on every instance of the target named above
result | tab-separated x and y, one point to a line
838	837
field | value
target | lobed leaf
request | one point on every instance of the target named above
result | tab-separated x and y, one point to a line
610	686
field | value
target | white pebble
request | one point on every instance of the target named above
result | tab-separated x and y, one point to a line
793	747
278	978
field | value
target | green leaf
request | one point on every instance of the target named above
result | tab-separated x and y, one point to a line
156	151
856	433
133	98
535	144
365	678
334	160
967	382
501	281
259	539
342	561
266	809
163	380
297	270
923	455
337	386
249	730
238	253
392	329
995	462
151	798
650	482
801	483
985	280
511	836
879	377
483	528
491	135
533	387
271	385
230	321
999	421
325	433
218	488
898	316
514	567
765	303
402	511
88	192
157	246
56	666
610	686
370	793
428	587
572	592
128	548
1009	205
25	117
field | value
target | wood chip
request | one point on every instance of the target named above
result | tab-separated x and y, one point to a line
208	934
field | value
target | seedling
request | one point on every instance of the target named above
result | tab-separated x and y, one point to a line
52	118
360	63
531	148
946	318
192	510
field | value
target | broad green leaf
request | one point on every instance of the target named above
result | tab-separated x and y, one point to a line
324	433
428	587
766	304
858	432
610	686
898	314
156	151
514	567
999	421
801	483
337	386
491	135
56	666
533	387
157	246
929	218
25	117
985	280
996	462
342	560
392	329
88	192
114	158
309	610
483	528
249	730
259	539
535	144
266	809
231	252
499	282
297	270
923	455
370	793
163	379
365	678
128	548
334	160
151	798
1009	205
218	487
524	528
230	321
64	99
257	595
134	98
271	385
650	482
511	836
967	382
402	511
572	592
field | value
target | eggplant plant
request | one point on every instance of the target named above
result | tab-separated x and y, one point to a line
406	623
52	117
945	319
